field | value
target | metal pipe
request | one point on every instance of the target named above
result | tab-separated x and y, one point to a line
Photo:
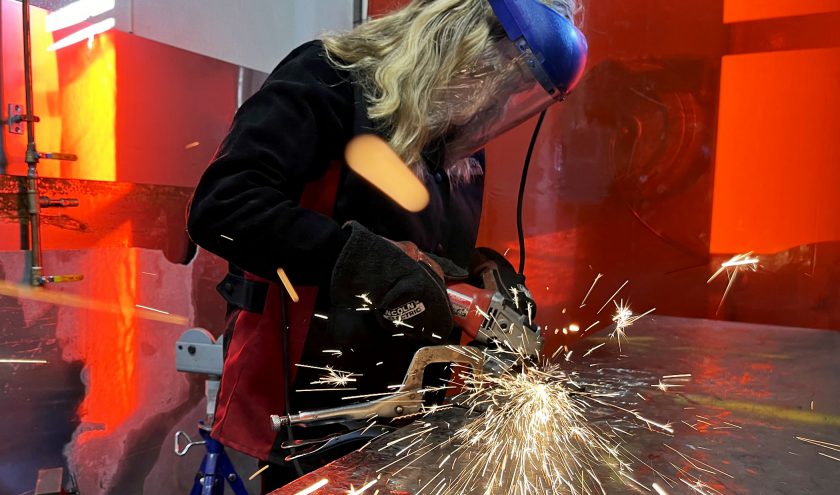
32	196
3	162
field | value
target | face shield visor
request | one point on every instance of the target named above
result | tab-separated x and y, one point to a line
537	64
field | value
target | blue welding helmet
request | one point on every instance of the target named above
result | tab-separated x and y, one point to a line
553	48
537	61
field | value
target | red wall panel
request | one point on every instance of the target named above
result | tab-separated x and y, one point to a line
750	10
776	170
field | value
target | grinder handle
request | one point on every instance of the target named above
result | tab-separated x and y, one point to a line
470	306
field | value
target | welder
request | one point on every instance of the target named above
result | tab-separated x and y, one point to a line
436	80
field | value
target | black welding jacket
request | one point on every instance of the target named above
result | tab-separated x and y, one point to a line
277	195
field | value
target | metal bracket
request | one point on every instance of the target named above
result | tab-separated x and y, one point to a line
198	352
14	120
47	202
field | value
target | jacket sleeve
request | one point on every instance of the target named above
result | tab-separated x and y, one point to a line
245	207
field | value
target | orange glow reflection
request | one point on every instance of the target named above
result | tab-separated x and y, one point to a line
750	10
89	94
46	93
109	343
777	151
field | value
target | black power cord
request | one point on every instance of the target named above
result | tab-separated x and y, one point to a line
287	363
519	201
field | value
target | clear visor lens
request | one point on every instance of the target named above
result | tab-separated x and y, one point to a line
501	99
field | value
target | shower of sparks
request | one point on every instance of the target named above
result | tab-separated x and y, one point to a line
226	237
583	303
624	318
314	487
612	297
22	361
333	377
732	267
319	315
533	437
334	352
529	429
366	299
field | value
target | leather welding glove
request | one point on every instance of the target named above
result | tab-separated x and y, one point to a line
406	287
489	269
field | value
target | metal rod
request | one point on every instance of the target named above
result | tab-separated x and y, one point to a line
27	76
3	162
32	196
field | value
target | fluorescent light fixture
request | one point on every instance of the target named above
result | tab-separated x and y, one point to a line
77	12
83	34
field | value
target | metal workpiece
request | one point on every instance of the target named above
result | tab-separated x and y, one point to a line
745	402
407	400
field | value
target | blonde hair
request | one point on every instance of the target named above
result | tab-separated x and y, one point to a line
406	60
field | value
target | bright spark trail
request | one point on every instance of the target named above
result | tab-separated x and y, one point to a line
732	267
624	318
334	377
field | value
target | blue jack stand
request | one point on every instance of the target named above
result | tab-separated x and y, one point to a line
215	468
198	352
